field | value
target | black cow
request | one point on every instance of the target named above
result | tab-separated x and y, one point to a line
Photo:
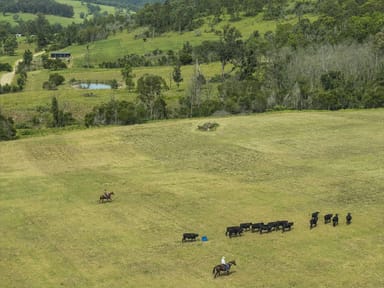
246	226
234	231
280	224
287	226
275	225
189	236
313	222
327	218
348	218
255	227
267	227
230	228
335	220
315	214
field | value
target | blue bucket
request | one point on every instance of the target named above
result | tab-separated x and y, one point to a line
204	238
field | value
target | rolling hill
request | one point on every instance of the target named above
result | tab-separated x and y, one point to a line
170	178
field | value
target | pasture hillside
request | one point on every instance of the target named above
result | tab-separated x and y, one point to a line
125	43
78	7
171	178
22	106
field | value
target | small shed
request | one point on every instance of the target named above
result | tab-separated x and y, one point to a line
58	55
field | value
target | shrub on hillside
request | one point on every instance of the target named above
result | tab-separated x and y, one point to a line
5	67
7	129
56	78
208	126
115	113
52	64
53	81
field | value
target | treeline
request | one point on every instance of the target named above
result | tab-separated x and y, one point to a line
130	4
49	7
156	58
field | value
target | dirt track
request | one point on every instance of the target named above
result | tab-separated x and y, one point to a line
8	77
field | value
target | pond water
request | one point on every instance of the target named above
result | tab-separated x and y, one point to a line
95	86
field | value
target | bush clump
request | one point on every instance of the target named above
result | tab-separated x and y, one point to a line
208	126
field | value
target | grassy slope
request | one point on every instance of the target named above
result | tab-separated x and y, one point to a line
124	43
21	105
77	7
170	178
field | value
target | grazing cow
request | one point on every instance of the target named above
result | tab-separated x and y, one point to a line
327	218
335	220
287	226
230	228
255	227
313	222
234	231
274	225
280	224
266	227
348	218
315	214
189	236
246	226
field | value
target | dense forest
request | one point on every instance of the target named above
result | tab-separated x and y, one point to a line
332	60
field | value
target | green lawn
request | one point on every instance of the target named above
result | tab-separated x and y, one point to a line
170	178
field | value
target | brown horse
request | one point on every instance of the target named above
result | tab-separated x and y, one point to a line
222	268
107	196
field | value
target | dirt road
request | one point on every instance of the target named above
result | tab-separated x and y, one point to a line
7	78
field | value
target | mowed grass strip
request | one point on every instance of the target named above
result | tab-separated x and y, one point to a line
170	178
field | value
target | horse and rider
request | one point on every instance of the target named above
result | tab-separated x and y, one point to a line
106	196
223	267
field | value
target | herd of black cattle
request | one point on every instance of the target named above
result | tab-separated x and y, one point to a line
282	225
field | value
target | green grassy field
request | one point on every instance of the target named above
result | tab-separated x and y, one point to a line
124	43
22	105
65	21
170	178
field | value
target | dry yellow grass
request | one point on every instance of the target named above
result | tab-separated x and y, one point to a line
170	178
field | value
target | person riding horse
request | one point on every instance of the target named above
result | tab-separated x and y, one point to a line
226	266
106	196
223	267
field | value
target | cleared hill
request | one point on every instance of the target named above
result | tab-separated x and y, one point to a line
79	9
170	178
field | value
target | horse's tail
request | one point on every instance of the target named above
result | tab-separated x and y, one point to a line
214	270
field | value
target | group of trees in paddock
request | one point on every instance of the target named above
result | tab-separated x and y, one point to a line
149	105
53	115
